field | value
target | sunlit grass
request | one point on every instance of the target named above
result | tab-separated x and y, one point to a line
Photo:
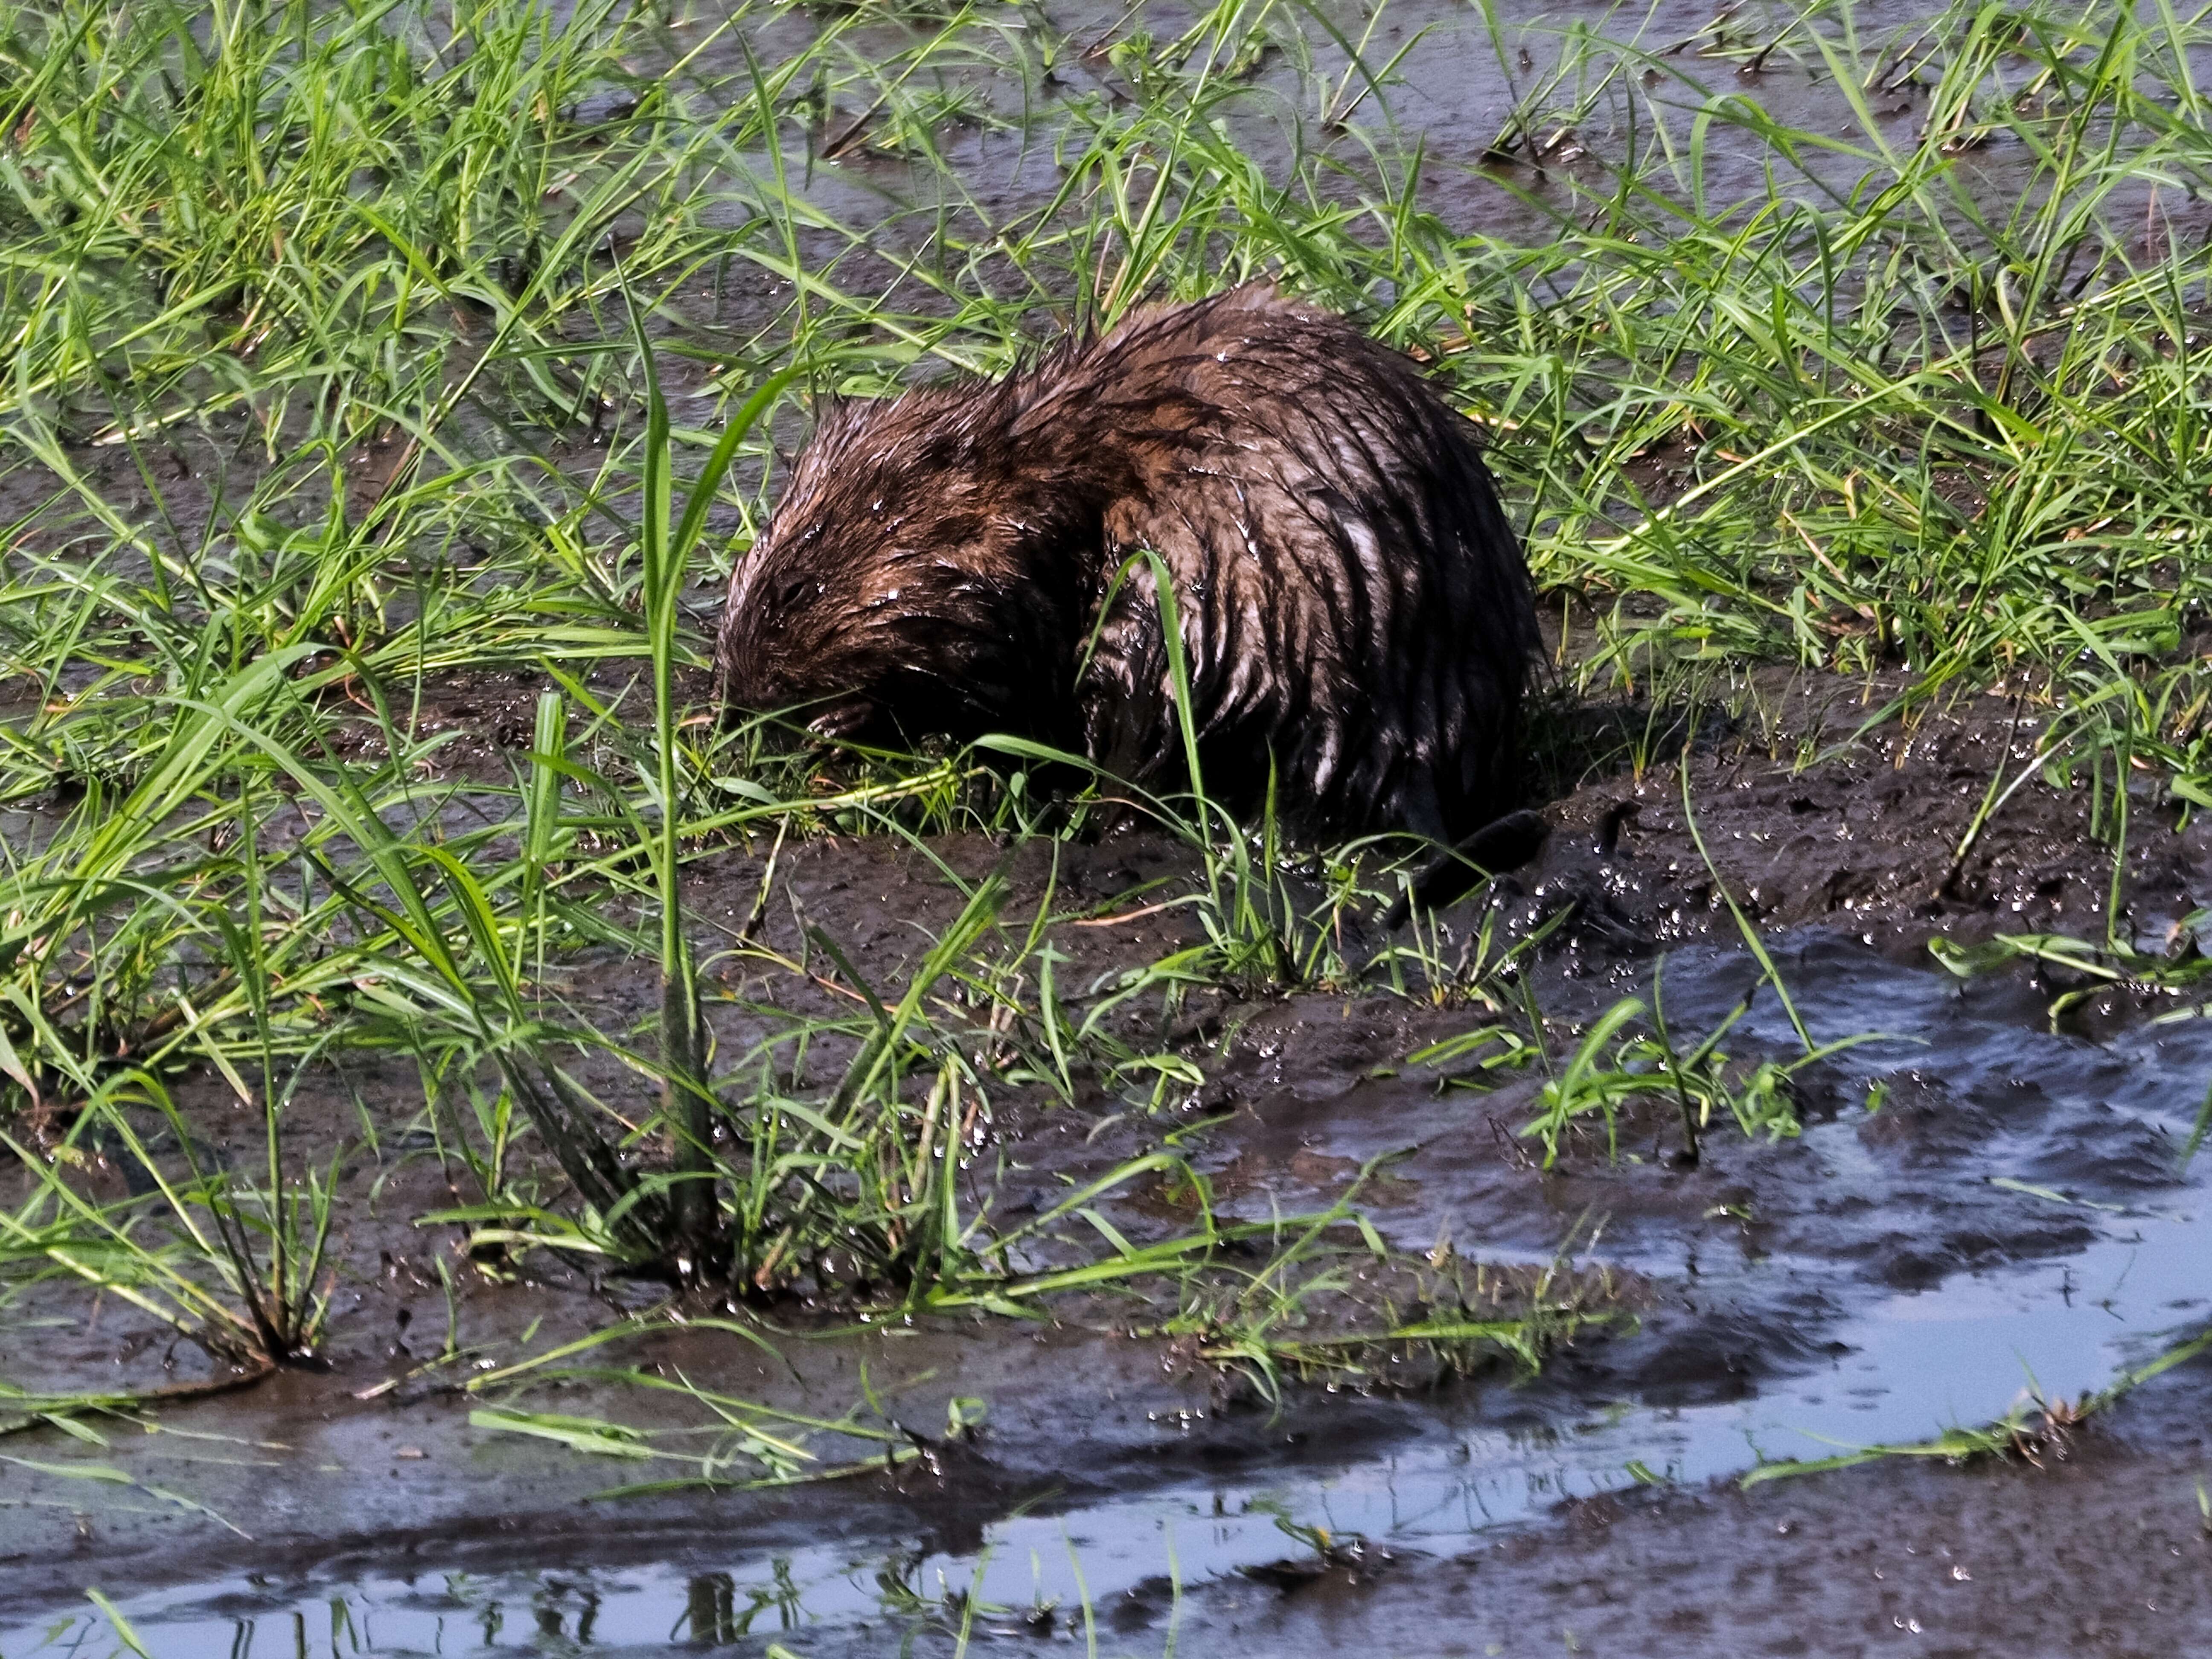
346	289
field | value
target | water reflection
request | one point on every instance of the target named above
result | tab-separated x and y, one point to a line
713	1615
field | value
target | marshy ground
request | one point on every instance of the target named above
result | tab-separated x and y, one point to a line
493	1160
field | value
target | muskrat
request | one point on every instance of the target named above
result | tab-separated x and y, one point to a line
1355	612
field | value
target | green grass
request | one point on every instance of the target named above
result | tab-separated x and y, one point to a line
354	347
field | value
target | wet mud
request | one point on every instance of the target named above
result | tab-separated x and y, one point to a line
1977	1206
2104	1553
1814	808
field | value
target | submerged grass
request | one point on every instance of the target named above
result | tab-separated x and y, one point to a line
2035	1431
354	351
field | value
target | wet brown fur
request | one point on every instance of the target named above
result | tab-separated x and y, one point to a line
1353	601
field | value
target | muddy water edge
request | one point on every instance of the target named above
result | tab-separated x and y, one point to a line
1979	1207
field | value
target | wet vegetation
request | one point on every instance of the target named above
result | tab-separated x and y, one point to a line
388	388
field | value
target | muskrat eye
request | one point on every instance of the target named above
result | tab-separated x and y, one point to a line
793	592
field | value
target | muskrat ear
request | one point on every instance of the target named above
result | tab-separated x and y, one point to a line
836	418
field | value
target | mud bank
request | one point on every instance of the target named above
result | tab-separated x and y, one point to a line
1814	809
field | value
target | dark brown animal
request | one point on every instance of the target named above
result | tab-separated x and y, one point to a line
1353	605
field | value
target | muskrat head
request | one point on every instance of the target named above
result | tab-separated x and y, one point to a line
926	571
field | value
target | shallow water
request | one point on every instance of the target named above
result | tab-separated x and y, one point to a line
1434	1474
1595	86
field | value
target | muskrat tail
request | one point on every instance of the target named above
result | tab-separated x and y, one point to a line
1501	845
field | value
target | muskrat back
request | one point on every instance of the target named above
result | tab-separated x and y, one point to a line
1355	613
